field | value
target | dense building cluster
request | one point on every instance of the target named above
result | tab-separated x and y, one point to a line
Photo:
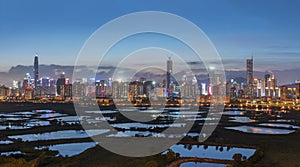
63	89
265	88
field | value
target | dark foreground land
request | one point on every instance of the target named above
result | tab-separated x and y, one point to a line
271	150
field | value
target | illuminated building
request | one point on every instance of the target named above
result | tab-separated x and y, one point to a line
68	90
169	75
135	89
45	85
215	82
257	87
4	92
148	88
297	90
52	86
119	89
28	93
188	90
160	92
123	89
36	71
115	89
100	86
203	89
60	85
78	89
249	78
270	86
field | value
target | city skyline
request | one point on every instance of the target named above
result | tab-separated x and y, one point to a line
55	71
267	29
150	83
141	86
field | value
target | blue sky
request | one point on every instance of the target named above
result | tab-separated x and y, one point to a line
238	28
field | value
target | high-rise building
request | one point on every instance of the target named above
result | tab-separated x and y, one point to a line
270	88
169	75
135	90
45	85
100	88
283	92
36	71
265	85
203	89
297	90
249	78
52	86
257	87
60	85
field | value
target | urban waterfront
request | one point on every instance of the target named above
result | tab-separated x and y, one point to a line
149	83
54	122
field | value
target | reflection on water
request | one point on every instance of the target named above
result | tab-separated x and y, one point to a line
234	113
64	134
151	111
147	126
15	118
131	133
198	164
260	130
70	149
215	152
37	123
9	126
46	117
10	153
280	125
282	120
241	119
102	112
5	142
26	113
51	115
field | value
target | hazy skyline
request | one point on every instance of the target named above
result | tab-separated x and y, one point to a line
57	30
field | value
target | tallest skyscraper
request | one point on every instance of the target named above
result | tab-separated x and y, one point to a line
36	70
169	75
249	77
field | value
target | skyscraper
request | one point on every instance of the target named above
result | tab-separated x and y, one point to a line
36	71
60	85
297	90
169	74
249	77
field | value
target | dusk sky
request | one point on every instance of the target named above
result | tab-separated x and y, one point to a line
269	29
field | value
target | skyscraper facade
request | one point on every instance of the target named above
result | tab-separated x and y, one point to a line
169	74
36	71
60	85
297	90
249	78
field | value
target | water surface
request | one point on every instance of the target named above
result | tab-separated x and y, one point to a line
260	130
215	152
63	134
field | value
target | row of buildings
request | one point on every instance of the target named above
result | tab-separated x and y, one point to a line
62	88
257	88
